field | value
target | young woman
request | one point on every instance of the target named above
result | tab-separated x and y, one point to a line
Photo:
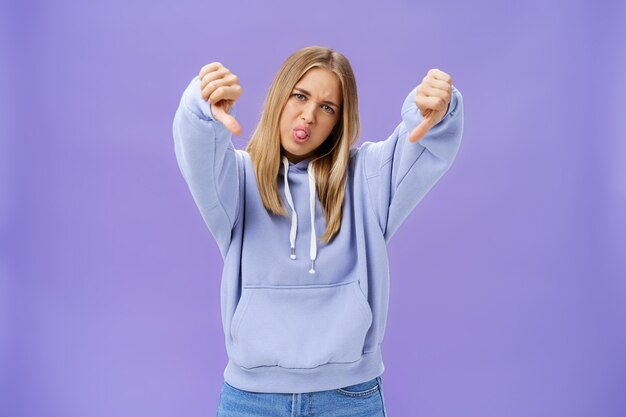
302	218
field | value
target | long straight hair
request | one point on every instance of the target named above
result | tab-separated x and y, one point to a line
331	158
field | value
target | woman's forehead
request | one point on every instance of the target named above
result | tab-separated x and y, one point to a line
322	84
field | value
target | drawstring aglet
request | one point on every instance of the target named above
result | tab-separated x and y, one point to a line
312	270
292	255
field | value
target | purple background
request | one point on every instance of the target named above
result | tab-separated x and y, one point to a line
508	280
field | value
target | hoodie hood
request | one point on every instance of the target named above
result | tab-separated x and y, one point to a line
301	166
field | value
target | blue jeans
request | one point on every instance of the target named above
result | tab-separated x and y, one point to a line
360	400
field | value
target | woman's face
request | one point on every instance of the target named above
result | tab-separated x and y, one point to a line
310	114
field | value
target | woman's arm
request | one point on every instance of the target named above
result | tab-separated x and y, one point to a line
399	172
208	162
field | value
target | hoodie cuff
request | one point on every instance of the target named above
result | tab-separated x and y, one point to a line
194	101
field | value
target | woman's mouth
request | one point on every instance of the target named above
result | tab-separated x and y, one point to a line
300	135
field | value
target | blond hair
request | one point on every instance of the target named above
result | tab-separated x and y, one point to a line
332	156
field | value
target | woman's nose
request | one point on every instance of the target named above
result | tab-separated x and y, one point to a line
308	113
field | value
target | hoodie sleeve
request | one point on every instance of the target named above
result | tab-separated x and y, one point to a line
399	173
208	162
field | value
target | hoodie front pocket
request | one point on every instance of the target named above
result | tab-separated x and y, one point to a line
300	327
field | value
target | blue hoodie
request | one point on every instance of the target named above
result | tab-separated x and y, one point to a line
300	315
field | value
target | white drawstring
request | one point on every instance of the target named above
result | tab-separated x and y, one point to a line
313	247
294	217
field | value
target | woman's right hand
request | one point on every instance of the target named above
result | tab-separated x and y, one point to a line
221	88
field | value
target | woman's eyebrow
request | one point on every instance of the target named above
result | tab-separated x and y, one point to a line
308	94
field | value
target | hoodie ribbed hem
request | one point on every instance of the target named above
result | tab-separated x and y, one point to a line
325	377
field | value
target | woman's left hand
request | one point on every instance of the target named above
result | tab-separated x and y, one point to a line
432	98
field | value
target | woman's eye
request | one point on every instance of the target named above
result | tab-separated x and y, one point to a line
302	97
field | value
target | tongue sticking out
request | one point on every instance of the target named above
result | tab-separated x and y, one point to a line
301	134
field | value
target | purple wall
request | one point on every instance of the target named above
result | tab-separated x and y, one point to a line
508	280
